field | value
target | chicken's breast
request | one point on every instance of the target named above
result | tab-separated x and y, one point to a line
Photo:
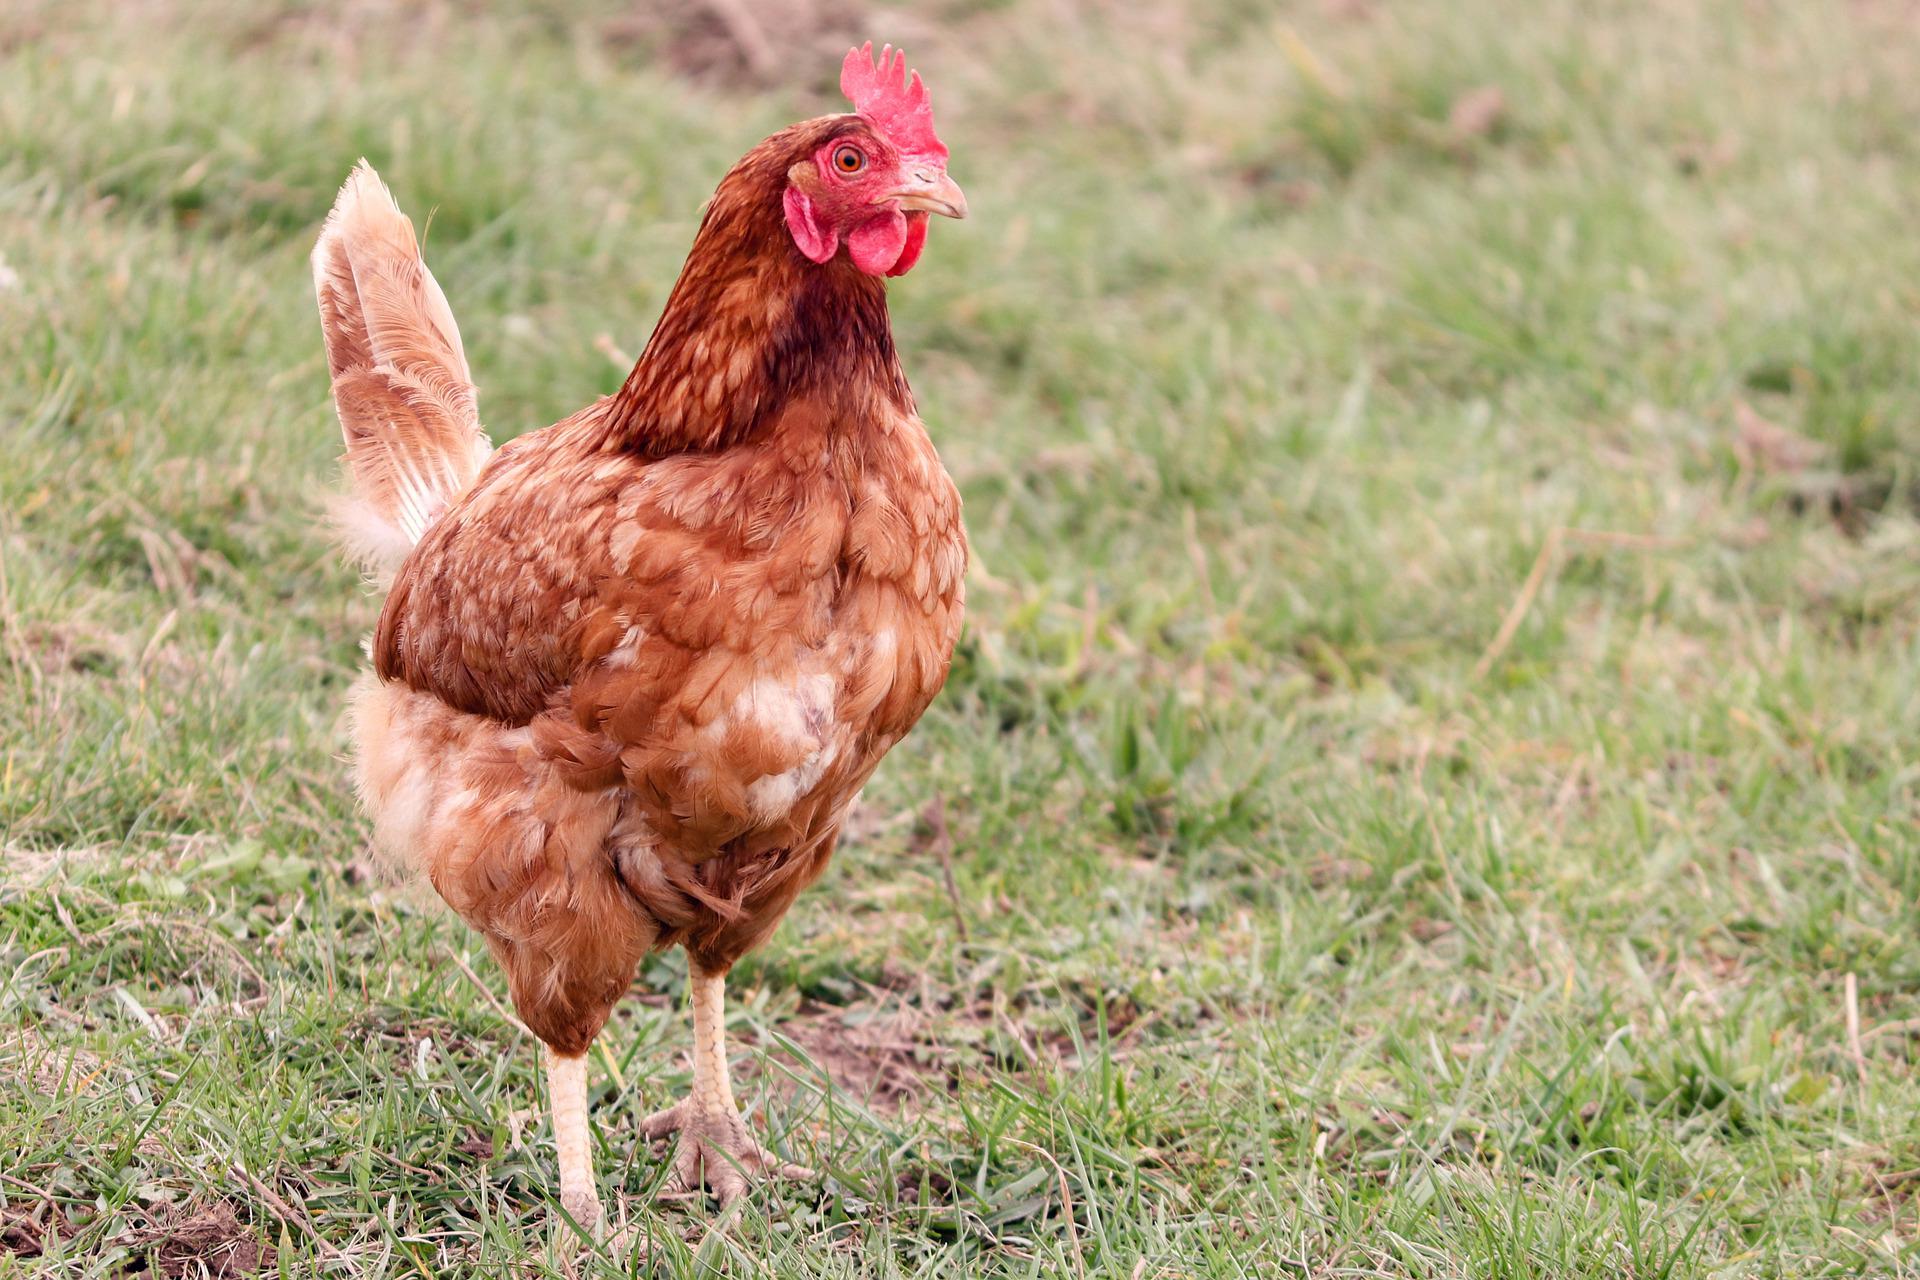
723	644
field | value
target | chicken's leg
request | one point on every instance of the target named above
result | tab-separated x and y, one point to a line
715	1146
567	1086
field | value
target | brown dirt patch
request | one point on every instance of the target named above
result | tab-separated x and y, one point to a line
25	1233
208	1241
879	1052
733	42
28	1058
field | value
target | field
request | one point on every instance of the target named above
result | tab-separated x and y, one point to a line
1429	784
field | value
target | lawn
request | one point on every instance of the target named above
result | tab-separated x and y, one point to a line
1428	787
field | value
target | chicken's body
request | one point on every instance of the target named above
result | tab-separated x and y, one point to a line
629	680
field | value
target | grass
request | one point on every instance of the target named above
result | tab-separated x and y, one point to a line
1306	920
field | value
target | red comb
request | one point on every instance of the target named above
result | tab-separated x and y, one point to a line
884	93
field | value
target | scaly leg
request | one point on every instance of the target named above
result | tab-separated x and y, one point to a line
715	1146
567	1084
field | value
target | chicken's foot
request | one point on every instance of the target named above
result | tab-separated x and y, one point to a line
715	1147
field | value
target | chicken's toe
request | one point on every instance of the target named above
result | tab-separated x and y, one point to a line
716	1151
667	1120
728	1185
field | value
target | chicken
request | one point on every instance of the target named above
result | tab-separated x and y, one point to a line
631	670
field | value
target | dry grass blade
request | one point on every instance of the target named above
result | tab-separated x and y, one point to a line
1543	564
941	838
292	1215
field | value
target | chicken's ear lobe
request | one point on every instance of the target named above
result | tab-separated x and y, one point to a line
810	231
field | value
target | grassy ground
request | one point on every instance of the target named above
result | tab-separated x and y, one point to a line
1430	779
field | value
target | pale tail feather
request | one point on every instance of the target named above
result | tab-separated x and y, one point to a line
400	381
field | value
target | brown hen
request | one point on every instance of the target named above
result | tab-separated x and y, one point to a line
633	669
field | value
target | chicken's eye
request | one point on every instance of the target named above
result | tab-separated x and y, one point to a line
849	159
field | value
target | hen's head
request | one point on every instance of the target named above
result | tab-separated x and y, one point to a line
877	174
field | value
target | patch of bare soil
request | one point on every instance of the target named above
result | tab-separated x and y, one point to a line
27	1058
879	1052
210	1241
72	647
25	1233
737	42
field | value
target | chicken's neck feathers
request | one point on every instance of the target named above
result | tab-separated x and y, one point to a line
752	324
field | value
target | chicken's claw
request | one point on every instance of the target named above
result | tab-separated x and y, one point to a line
717	1151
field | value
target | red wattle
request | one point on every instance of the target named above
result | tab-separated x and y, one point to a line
875	245
916	241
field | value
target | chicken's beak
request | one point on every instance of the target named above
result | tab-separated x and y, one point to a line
931	191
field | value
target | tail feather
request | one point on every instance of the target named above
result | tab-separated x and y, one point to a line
406	401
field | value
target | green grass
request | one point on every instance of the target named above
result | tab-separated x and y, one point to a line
1303	925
